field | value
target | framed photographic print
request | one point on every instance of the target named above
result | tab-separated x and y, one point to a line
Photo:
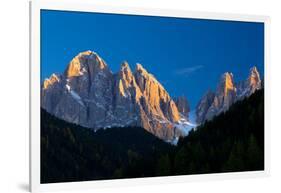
123	96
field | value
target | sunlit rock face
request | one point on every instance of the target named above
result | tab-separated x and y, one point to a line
249	86
89	94
224	96
213	103
51	85
158	111
50	81
158	101
84	93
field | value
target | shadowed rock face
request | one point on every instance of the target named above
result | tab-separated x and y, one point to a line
182	105
226	94
203	106
89	94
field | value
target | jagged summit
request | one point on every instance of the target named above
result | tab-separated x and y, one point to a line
89	94
254	69
83	62
125	76
50	81
140	68
226	77
226	94
226	84
254	77
125	84
125	69
125	65
250	85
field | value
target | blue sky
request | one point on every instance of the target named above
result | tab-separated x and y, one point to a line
187	56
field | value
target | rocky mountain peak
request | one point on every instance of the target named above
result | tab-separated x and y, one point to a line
250	85
254	78
126	82
125	66
83	62
50	81
224	96
143	77
92	96
227	93
226	84
125	71
140	69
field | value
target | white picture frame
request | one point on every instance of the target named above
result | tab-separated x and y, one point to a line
36	6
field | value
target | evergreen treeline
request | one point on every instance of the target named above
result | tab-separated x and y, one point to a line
232	141
70	152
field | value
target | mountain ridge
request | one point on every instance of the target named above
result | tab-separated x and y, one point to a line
227	93
89	94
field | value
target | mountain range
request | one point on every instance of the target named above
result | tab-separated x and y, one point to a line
89	94
227	93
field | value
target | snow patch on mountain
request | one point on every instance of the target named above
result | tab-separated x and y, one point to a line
186	125
74	95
